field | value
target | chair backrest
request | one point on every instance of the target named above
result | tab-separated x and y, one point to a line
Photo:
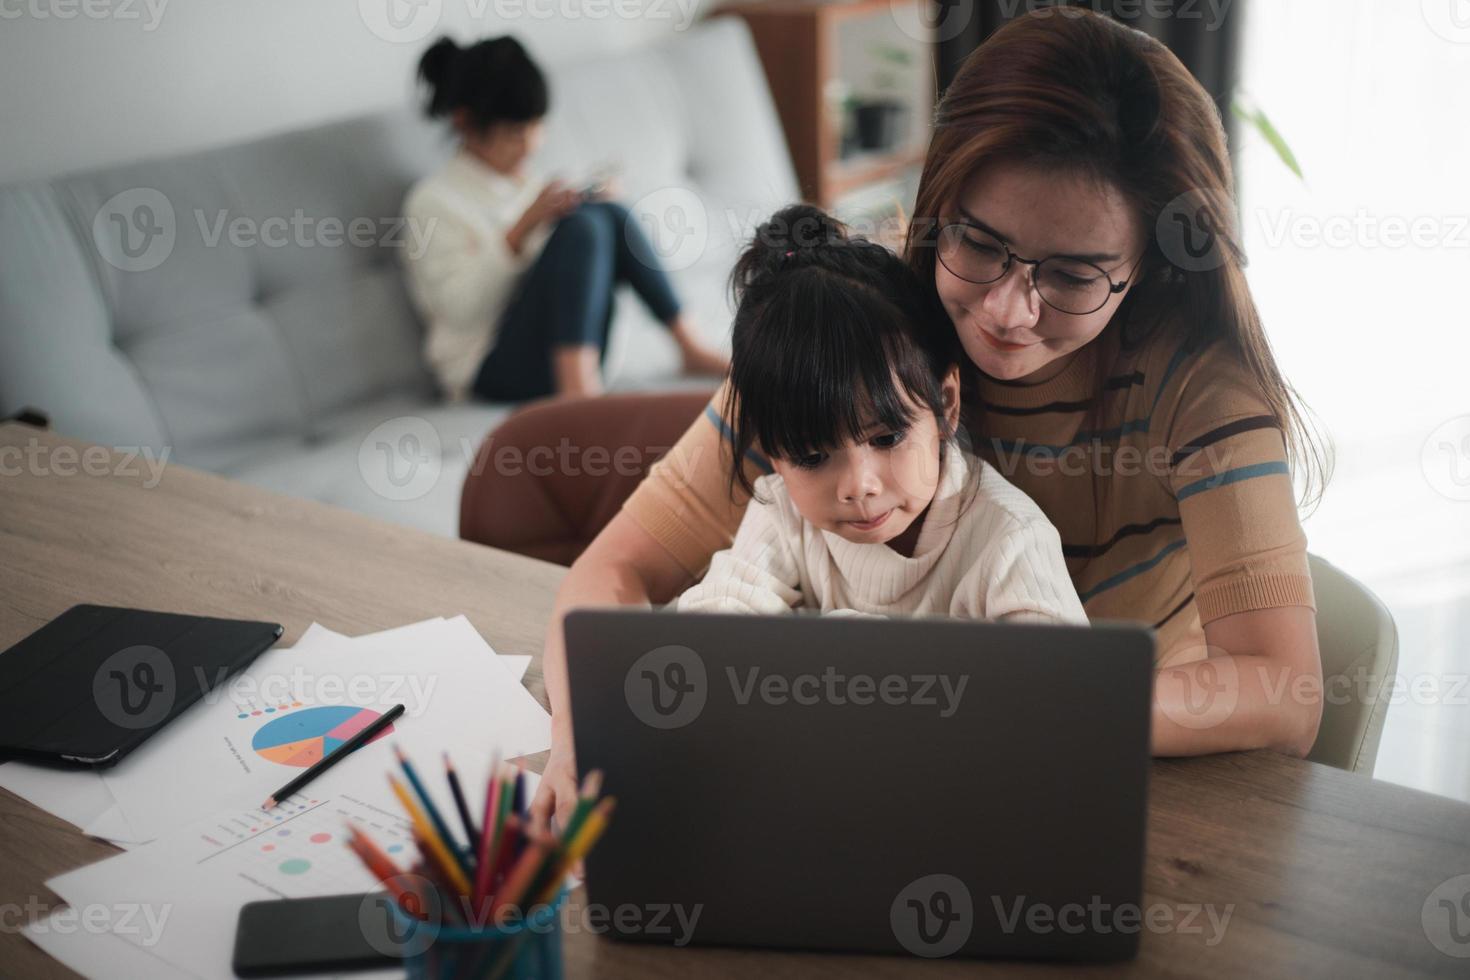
1360	652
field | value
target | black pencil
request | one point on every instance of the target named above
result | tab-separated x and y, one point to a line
461	805
328	761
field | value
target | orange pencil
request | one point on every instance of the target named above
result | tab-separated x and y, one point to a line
409	901
380	864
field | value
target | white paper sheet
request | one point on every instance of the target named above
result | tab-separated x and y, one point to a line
248	739
77	796
193	882
97	954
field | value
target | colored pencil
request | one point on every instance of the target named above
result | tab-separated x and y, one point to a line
437	849
357	741
435	817
521	875
490	827
574	851
367	851
459	804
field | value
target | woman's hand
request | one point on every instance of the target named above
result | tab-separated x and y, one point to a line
557	793
554	201
611	188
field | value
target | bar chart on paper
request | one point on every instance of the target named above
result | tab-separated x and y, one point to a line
301	738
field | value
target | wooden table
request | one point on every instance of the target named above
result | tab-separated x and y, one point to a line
1323	872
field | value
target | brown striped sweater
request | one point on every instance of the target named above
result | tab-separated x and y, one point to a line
1176	510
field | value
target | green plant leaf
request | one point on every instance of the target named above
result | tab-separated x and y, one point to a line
1262	124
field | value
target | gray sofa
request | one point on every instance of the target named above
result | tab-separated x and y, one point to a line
224	308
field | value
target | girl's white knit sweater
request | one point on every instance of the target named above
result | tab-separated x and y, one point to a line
998	558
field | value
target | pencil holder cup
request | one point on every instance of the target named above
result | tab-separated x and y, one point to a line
527	948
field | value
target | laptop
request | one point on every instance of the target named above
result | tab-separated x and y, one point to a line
922	786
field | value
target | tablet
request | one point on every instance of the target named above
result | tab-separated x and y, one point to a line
97	681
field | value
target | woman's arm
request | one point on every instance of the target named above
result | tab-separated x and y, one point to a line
1260	688
1258	682
623	566
676	519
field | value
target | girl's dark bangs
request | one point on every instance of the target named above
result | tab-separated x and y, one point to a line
833	376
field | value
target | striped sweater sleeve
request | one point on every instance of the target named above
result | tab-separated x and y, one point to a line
1226	466
685	503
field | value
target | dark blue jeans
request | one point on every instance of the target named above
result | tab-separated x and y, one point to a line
565	299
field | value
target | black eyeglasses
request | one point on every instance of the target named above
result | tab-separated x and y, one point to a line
1065	284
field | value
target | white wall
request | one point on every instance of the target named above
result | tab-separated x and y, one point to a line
93	82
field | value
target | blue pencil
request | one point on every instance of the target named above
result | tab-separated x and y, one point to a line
439	825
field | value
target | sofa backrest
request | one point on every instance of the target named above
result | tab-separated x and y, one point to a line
218	301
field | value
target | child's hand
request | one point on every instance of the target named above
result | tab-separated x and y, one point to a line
854	614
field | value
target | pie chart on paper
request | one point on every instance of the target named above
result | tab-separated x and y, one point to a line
302	738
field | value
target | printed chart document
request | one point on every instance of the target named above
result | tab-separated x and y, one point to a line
178	898
245	740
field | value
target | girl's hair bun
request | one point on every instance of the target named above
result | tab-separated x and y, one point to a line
493	80
435	68
793	232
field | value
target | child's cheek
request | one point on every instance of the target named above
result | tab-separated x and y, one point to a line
916	470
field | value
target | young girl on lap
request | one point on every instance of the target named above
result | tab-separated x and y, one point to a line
845	381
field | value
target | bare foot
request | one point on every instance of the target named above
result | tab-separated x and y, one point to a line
704	360
577	371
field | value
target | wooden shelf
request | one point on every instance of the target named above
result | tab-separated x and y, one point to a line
798	45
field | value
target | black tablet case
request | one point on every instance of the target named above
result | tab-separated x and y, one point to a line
94	683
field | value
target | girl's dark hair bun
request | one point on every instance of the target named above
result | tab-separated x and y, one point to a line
494	80
435	68
793	232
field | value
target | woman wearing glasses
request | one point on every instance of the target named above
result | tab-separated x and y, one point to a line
1074	213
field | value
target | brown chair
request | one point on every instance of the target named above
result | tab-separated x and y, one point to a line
552	475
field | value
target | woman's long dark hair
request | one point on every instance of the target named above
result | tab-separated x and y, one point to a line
1070	90
829	329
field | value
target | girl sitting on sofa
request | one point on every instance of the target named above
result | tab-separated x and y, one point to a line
846	377
517	277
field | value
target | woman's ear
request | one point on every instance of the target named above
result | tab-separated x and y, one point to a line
949	393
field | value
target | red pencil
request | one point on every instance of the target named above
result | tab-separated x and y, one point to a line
489	831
